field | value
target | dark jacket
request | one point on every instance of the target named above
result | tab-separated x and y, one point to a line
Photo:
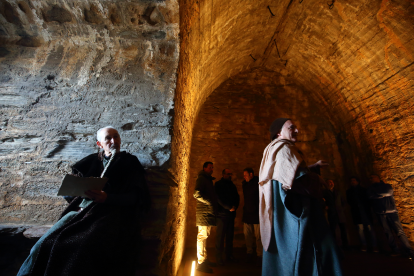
103	238
206	200
382	198
227	197
335	203
251	201
357	198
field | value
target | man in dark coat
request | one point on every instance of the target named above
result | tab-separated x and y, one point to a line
383	203
228	201
357	198
205	214
251	227
335	205
97	235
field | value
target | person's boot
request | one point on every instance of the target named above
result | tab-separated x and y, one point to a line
203	267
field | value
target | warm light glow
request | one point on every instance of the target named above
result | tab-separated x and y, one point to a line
193	268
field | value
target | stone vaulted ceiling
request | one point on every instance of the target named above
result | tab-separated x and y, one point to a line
354	58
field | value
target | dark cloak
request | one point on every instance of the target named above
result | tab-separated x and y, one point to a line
103	238
357	198
300	242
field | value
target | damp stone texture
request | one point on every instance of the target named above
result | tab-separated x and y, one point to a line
68	68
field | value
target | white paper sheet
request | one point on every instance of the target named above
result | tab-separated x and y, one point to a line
77	186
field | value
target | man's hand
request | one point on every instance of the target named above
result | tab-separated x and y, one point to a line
97	196
232	209
322	163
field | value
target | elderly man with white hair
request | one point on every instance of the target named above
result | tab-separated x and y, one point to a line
97	235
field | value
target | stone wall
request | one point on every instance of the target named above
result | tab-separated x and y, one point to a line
232	130
353	58
69	68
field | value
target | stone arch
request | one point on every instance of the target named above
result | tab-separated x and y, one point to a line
354	59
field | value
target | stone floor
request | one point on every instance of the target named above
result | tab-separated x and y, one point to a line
355	263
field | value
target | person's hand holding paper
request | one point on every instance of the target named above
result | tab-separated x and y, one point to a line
79	186
96	195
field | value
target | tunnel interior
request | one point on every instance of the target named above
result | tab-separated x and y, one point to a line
231	130
189	81
342	71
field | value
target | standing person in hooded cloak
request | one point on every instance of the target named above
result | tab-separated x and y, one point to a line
295	236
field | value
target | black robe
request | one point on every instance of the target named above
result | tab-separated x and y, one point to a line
103	238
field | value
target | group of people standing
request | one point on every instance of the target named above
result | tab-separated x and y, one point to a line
292	211
216	206
379	197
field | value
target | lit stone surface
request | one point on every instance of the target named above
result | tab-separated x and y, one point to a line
232	130
69	68
354	60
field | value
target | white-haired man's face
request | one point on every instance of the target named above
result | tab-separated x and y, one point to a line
110	139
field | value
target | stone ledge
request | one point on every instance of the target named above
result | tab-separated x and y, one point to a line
36	231
28	231
11	230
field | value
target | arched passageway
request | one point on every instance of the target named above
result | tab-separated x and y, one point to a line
231	130
352	59
68	67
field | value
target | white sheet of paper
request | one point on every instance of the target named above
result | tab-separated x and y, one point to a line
77	186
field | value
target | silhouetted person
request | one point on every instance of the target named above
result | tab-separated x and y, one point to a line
357	198
295	235
383	203
228	201
205	214
97	235
335	204
251	226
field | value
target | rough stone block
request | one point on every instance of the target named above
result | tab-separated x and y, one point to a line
31	42
93	15
11	230
10	13
36	232
14	100
58	14
153	15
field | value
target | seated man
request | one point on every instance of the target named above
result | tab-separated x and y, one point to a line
96	235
